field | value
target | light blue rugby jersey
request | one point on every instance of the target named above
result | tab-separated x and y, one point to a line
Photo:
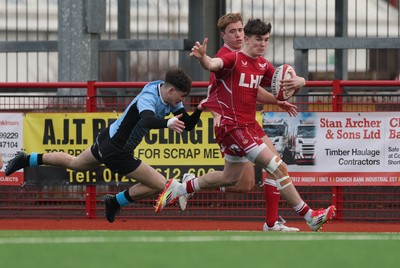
128	131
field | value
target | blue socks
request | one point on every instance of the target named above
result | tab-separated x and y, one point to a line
123	198
33	160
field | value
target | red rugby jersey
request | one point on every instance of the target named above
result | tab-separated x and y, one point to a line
233	93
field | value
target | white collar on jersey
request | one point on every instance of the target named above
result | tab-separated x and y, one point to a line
159	93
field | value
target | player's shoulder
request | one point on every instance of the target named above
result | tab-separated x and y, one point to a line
226	54
243	56
225	49
151	88
151	91
152	85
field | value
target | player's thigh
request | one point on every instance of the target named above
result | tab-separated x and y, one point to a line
148	176
269	144
264	157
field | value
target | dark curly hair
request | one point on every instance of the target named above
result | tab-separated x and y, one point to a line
257	27
177	78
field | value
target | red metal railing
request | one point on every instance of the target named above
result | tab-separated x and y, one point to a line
210	204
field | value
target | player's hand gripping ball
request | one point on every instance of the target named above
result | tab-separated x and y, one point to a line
282	72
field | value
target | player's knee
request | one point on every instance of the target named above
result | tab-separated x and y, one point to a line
159	186
278	171
76	165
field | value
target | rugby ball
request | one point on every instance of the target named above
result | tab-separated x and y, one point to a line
282	72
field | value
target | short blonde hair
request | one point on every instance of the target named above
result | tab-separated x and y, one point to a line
227	19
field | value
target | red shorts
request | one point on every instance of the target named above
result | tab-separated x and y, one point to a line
239	140
260	131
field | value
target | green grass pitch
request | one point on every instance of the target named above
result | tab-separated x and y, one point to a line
86	249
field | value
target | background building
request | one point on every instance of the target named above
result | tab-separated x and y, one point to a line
137	40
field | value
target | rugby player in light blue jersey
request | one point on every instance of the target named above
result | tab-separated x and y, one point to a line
114	146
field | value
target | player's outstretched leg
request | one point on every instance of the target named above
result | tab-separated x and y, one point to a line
112	207
21	160
185	198
314	218
319	217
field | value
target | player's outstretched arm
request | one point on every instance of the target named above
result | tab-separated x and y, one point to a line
208	63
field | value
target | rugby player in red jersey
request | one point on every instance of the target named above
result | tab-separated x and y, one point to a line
231	30
237	78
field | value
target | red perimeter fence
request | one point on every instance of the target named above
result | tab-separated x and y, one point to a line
354	203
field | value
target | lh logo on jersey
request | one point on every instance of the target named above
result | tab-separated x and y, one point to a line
251	82
244	63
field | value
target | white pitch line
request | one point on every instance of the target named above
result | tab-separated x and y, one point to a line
195	239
